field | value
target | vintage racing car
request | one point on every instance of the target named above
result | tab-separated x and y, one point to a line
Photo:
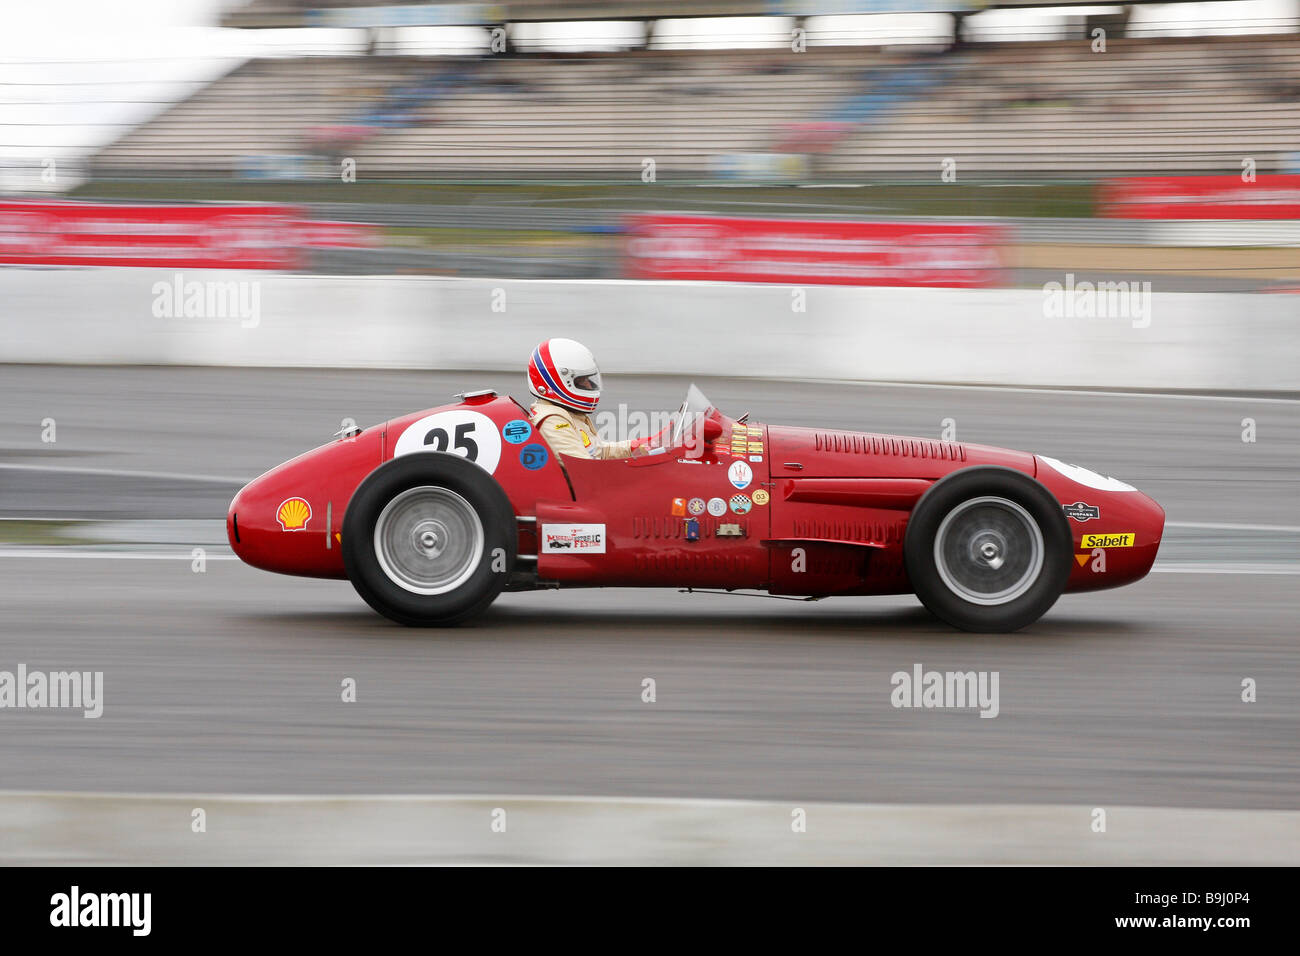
432	515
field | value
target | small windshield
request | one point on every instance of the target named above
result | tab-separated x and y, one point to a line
696	407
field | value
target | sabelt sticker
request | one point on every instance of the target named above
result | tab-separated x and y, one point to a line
1122	540
741	504
293	514
534	456
740	474
717	507
573	539
516	432
695	506
760	496
472	435
1082	512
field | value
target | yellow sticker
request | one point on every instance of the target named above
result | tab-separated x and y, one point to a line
561	425
760	497
1122	540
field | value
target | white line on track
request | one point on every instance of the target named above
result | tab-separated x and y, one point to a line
1044	390
1207	525
1217	526
55	551
76	554
1226	569
124	473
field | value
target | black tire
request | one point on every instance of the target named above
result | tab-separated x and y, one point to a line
983	576
437	498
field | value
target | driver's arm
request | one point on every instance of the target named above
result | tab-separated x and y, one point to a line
621	449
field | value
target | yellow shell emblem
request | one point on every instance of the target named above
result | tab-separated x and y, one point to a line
293	514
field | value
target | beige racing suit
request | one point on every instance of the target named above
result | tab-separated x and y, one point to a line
572	433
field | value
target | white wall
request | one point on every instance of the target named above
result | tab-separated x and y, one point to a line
998	336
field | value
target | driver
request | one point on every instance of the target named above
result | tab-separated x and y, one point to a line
563	375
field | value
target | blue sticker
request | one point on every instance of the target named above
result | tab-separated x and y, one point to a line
517	432
533	456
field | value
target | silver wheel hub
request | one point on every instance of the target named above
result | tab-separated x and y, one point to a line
430	537
989	550
428	540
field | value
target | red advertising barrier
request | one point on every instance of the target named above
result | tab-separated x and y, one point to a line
807	251
196	237
1201	197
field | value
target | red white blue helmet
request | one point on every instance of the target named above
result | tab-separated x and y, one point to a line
564	372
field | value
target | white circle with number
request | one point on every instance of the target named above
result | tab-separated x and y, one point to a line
471	435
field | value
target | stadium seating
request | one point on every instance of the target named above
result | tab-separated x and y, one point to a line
1051	109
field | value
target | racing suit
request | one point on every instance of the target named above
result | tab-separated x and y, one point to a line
572	433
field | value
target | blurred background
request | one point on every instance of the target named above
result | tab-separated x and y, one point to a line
541	138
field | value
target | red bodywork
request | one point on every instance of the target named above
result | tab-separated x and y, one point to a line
842	497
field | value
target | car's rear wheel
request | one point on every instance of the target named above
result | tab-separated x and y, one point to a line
429	539
988	549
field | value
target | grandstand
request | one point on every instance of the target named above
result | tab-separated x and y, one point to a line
1046	108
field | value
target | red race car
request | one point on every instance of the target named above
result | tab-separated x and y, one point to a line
434	514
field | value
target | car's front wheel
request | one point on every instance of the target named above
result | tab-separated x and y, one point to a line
429	539
988	549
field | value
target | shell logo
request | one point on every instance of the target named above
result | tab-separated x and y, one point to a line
293	514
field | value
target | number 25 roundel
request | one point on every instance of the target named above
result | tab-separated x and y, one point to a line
469	434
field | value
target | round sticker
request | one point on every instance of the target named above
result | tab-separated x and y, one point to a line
695	506
717	507
533	456
761	496
516	432
740	504
740	474
460	431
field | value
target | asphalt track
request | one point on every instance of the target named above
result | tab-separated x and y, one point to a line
229	680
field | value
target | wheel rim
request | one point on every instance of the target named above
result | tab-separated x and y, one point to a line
428	540
988	550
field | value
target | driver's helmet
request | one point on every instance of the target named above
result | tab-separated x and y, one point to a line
564	372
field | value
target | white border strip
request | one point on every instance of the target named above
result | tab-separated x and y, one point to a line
127	829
